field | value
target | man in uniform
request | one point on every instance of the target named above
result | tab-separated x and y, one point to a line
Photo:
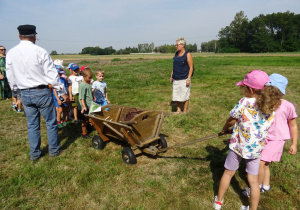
31	69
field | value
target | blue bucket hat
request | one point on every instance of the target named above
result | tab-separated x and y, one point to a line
60	69
279	81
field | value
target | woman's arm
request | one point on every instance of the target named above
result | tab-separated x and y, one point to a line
171	79
294	135
191	68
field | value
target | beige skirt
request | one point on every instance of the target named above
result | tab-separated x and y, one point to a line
181	92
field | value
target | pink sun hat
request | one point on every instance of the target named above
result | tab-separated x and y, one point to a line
255	79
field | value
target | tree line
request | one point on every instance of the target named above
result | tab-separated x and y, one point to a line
141	48
277	32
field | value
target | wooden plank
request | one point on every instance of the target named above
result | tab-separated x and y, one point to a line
129	137
160	124
156	124
119	113
100	120
114	130
99	130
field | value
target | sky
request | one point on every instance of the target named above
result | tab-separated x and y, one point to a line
67	26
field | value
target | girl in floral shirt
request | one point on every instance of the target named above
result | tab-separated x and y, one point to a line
251	118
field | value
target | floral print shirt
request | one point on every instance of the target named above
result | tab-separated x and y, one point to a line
250	129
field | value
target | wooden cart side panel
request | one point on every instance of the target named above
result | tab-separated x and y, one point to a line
99	129
126	110
147	125
130	138
113	112
107	127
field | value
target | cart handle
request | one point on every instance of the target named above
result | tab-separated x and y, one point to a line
192	142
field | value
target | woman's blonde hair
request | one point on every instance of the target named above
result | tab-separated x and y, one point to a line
269	100
181	40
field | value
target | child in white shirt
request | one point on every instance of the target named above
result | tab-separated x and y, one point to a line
74	81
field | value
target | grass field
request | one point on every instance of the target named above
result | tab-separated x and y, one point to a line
185	178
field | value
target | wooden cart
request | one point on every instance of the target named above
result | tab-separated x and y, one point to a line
142	132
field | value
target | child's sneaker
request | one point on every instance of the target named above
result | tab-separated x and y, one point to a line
245	208
85	136
19	111
217	204
263	190
60	125
14	107
65	123
246	191
76	122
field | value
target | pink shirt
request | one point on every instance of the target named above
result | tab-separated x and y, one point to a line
280	128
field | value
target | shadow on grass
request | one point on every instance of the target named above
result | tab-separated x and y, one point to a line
173	106
68	135
217	159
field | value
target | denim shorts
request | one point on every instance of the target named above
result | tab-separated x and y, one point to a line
16	93
57	105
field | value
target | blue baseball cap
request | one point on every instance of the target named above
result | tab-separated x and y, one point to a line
69	66
279	81
74	66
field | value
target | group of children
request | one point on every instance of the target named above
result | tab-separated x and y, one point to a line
262	122
82	91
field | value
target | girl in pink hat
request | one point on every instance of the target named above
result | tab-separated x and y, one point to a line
284	127
251	119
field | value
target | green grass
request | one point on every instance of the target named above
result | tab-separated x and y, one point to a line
185	178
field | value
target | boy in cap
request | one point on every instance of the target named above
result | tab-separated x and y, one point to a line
74	81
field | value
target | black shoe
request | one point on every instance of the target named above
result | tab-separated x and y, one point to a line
34	158
57	154
85	136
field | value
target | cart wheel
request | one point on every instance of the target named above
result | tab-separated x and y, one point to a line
98	143
162	143
128	156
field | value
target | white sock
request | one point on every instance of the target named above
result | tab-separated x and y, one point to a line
266	187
